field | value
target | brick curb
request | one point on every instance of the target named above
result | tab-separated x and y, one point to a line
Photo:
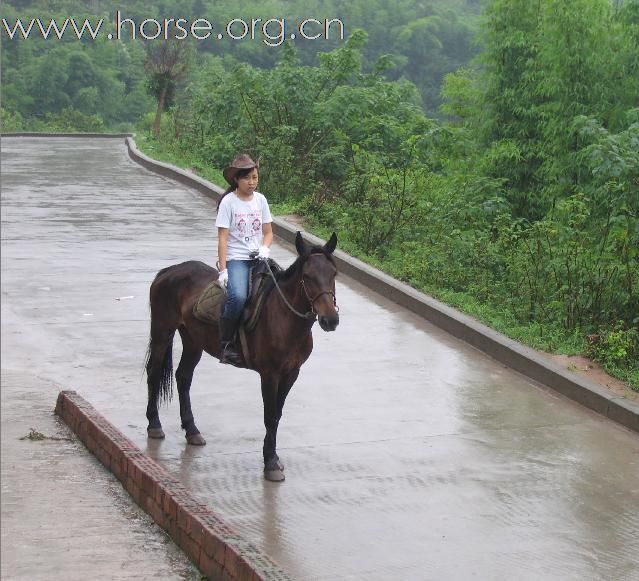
512	354
216	549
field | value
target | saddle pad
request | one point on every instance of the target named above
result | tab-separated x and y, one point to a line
208	307
261	286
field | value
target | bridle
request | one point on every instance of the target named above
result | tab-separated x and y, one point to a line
309	315
312	301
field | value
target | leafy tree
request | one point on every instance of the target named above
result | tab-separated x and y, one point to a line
511	131
547	63
166	63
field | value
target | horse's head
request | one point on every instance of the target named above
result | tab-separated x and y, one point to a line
318	280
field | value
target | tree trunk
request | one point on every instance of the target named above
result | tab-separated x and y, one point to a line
158	113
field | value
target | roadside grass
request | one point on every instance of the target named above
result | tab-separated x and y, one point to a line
154	148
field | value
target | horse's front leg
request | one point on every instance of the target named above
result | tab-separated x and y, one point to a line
274	392
272	414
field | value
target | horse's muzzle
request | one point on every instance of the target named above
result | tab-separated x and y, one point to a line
328	323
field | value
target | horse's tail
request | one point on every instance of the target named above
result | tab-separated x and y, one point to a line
160	378
163	387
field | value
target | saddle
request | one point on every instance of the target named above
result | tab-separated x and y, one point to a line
209	305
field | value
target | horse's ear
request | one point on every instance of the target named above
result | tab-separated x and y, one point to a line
330	246
299	244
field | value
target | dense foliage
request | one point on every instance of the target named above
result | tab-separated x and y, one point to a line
56	84
41	78
520	204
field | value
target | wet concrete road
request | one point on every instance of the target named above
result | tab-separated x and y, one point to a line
409	455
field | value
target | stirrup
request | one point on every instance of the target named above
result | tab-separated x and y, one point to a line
230	357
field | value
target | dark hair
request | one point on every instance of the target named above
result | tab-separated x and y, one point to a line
240	174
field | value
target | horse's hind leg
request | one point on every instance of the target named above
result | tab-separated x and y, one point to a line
159	368
191	355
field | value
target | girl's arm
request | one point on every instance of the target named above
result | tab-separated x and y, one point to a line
222	242
267	231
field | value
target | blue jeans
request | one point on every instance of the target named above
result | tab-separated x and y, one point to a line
237	288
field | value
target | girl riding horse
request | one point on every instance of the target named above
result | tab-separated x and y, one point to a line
244	228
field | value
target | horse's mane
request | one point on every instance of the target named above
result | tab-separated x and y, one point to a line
291	271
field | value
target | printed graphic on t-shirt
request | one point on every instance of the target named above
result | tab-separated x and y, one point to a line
248	225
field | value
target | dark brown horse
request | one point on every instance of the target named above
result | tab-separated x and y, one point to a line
281	342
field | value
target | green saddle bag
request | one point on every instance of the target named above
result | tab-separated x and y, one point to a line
208	307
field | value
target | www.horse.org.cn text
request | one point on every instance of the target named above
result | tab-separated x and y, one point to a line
270	31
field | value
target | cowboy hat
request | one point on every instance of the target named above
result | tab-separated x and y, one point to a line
241	162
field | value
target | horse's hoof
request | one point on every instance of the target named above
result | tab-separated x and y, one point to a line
274	475
155	433
274	470
195	439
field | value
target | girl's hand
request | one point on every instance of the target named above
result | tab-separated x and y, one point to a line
223	279
264	252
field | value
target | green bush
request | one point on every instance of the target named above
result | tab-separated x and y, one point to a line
70	120
617	347
10	121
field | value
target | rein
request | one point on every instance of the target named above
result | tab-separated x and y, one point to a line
310	315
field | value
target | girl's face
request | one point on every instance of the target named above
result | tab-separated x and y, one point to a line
247	184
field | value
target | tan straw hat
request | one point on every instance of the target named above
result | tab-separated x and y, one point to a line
242	161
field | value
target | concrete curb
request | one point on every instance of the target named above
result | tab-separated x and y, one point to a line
217	550
170	171
516	356
92	135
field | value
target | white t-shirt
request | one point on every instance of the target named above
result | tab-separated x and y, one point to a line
244	221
